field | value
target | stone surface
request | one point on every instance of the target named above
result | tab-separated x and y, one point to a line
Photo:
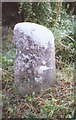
34	67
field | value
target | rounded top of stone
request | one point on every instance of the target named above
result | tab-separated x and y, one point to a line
39	33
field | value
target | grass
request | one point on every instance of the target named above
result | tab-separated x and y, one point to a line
56	102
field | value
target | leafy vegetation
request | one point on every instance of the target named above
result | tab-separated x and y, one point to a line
59	101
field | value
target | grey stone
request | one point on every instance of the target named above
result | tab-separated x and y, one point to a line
34	67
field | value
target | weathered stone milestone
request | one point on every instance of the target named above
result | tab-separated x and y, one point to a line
34	67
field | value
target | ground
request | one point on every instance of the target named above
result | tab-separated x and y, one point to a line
56	102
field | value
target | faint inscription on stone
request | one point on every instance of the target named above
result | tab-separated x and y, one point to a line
34	67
